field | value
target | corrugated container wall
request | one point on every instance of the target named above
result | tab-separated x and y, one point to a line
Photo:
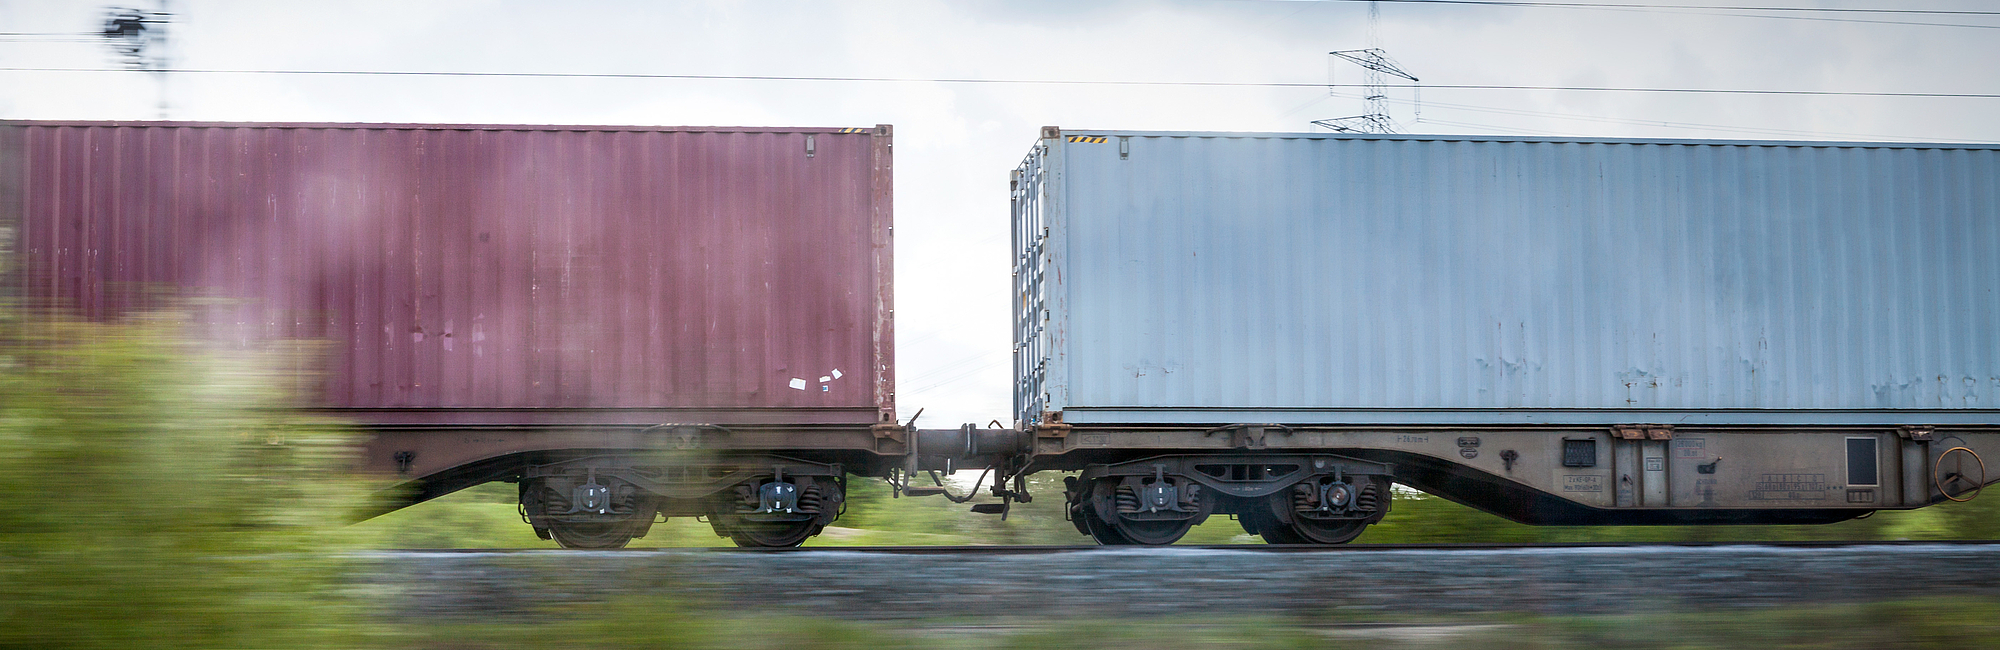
488	267
1182	277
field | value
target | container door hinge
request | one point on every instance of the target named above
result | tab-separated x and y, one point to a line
890	430
1051	426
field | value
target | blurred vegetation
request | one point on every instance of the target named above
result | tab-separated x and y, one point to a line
156	494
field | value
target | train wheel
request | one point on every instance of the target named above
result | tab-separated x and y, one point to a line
1370	503
1103	532
1073	500
592	535
1129	530
1326	532
1083	515
1154	532
1076	518
627	514
778	512
764	534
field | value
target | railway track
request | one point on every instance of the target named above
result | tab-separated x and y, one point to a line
1251	548
916	583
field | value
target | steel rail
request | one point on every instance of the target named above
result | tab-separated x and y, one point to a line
1252	548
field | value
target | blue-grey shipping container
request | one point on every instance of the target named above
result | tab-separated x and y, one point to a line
1182	278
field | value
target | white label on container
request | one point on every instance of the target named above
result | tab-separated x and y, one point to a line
1582	483
798	384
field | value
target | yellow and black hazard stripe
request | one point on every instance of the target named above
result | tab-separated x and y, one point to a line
1092	139
852	130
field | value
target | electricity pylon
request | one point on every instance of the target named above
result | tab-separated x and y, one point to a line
1377	67
140	38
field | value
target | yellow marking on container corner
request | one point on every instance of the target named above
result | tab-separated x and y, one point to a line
1092	139
854	130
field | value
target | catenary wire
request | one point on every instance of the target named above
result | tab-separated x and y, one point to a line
1612	120
1706	10
1635	5
1660	123
1141	83
1066	82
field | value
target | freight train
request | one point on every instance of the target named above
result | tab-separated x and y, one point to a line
632	323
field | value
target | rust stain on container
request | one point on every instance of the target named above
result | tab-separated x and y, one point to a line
488	268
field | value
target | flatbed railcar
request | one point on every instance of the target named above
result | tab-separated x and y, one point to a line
547	305
636	322
1555	330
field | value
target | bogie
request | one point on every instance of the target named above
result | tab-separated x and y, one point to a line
591	513
1286	499
778	511
604	502
1144	511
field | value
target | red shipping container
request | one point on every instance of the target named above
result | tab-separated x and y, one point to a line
489	275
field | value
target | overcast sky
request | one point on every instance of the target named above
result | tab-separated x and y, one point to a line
955	142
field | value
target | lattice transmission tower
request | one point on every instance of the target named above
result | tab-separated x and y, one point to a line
1376	68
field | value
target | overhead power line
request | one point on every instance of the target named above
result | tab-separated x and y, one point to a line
1053	82
1790	13
48	37
1617	5
1738	128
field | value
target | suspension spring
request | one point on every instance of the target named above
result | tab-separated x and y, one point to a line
1126	499
1369	498
809	500
1304	497
625	500
553	500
